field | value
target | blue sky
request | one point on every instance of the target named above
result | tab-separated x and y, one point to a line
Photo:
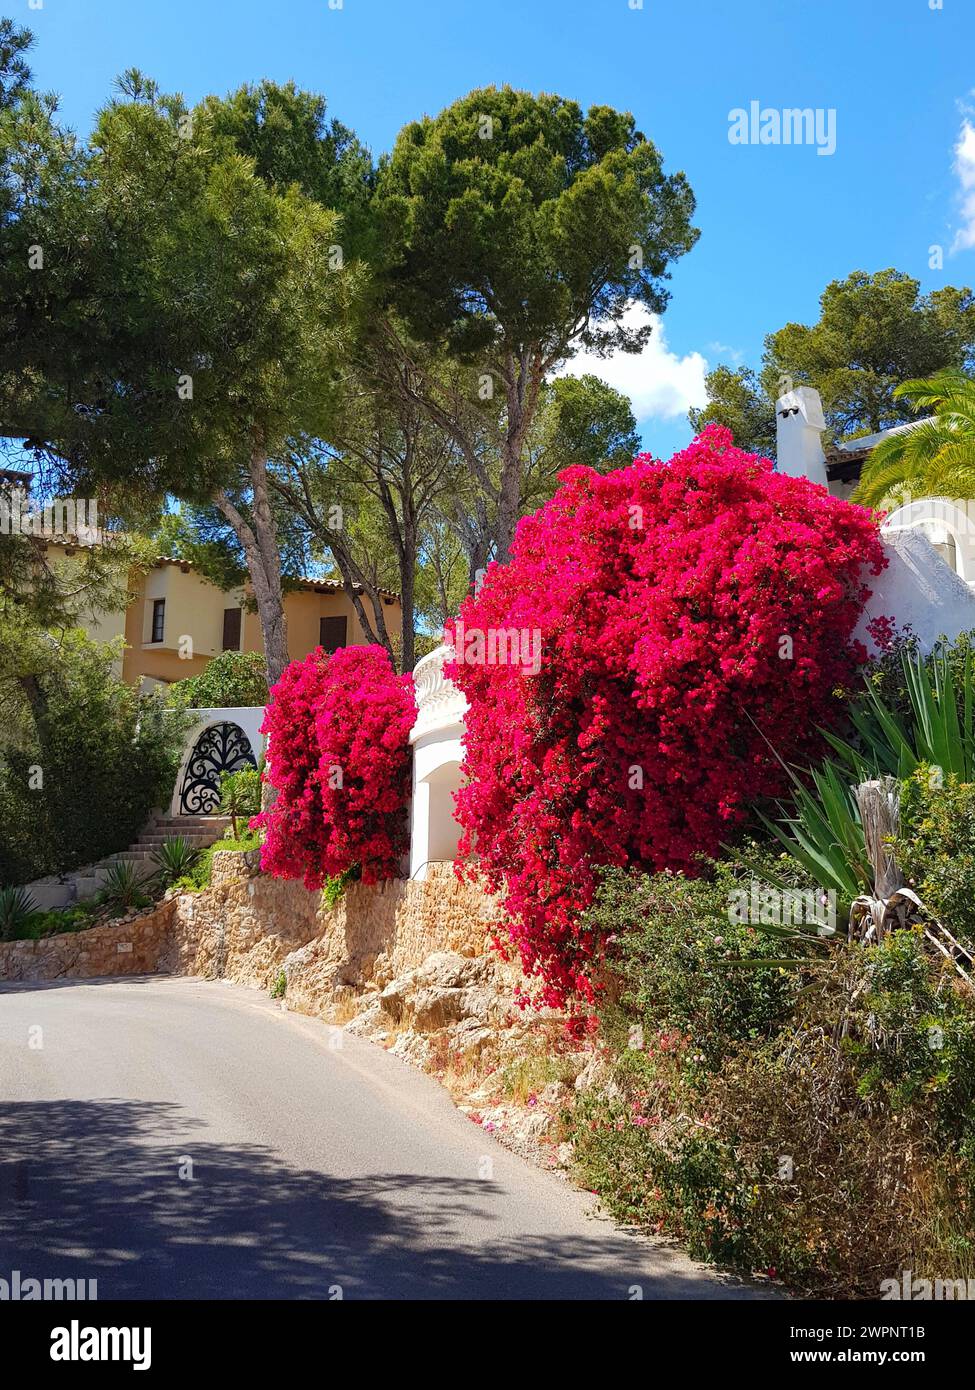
777	222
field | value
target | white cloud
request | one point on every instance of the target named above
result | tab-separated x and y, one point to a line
658	382
965	169
732	354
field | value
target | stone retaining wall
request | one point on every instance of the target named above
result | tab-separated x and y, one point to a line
405	964
248	928
133	947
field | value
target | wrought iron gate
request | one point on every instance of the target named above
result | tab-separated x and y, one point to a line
220	748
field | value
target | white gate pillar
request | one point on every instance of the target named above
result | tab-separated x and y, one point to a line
438	749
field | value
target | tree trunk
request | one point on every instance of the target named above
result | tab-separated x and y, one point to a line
259	541
407	597
509	504
522	379
36	699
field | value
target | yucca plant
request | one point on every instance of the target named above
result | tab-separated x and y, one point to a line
240	795
823	828
842	820
823	832
16	906
938	730
121	888
174	859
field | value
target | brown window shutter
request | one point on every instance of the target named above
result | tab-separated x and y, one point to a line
231	629
332	633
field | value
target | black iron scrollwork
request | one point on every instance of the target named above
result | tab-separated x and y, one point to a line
220	748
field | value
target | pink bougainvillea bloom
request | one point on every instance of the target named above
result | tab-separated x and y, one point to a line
338	754
693	615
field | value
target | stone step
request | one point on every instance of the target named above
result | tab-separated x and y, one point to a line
188	833
168	831
197	831
191	820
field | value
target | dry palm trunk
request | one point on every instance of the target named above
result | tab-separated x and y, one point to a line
880	806
892	904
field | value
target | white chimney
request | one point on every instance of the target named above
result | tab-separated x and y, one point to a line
798	425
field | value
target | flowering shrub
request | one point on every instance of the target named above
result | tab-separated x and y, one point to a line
339	758
684	619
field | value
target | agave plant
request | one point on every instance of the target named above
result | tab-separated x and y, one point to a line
16	906
823	832
174	859
823	828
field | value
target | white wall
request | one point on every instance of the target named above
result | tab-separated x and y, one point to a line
437	740
917	589
436	776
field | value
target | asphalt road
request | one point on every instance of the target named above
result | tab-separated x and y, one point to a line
177	1138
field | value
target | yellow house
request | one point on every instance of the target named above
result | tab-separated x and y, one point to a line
177	620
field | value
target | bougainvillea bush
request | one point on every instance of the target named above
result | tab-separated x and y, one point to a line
338	755
684	619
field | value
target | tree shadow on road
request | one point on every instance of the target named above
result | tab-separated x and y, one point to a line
92	1190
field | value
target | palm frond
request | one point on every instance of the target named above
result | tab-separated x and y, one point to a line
933	457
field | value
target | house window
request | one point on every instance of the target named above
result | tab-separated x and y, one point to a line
332	633
158	619
231	629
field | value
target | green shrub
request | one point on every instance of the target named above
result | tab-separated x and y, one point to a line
64	919
673	939
232	680
280	986
821	1126
95	758
936	847
198	877
682	1183
334	888
919	1048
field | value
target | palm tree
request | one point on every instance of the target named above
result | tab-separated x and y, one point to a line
934	457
